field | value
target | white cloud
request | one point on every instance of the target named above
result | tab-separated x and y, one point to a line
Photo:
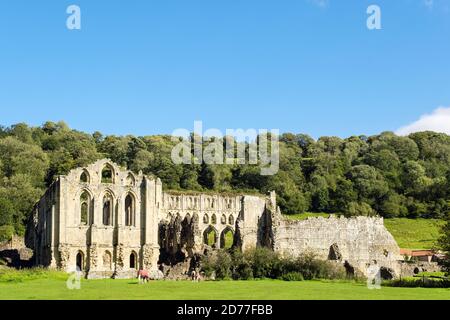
320	3
437	121
428	3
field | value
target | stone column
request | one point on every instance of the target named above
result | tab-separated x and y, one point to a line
92	258
153	201
53	245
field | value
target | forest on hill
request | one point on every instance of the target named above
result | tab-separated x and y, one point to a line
384	174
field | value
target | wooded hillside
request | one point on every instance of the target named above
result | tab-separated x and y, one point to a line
384	174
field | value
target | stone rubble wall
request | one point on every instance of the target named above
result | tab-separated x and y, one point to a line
359	241
174	225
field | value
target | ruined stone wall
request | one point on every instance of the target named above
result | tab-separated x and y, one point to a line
359	241
175	226
186	219
42	227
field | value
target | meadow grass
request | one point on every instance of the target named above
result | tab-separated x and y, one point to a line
54	287
306	215
415	233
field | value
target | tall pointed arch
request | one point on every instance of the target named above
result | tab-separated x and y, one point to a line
108	209
130	210
108	174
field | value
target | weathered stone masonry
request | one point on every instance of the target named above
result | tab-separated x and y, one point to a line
109	221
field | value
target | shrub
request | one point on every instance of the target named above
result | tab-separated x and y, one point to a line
292	276
223	265
263	263
242	268
6	232
419	283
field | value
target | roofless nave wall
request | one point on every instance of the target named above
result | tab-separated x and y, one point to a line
108	221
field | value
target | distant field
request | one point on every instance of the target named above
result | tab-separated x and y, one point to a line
414	233
306	215
409	233
55	289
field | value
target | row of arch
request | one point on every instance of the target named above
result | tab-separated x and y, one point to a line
174	202
108	206
107	176
107	261
223	219
213	220
212	238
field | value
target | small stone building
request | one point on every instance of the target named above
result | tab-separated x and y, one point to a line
111	222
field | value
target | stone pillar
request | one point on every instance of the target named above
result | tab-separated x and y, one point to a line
92	258
53	245
120	258
119	222
64	257
153	202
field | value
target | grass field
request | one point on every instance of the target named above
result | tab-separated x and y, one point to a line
306	215
414	233
409	233
55	289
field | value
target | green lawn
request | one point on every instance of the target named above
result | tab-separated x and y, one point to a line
414	233
306	215
54	288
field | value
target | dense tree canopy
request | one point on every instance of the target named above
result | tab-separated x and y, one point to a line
384	174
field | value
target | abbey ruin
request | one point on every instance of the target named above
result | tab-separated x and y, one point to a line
110	222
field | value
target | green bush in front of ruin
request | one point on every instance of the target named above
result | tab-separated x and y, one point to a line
262	263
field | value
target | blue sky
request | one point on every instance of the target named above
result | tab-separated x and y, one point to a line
149	67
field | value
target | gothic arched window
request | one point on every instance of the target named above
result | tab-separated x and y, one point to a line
133	260
84	178
84	208
107	210
107	174
130	211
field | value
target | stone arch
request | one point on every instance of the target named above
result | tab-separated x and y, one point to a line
223	219
85	177
334	253
108	209
107	260
231	220
227	238
130	180
79	261
206	219
213	219
195	203
107	175
130	210
133	260
210	236
387	273
85	208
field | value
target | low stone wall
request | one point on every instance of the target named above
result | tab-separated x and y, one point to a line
410	269
359	241
16	243
15	253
